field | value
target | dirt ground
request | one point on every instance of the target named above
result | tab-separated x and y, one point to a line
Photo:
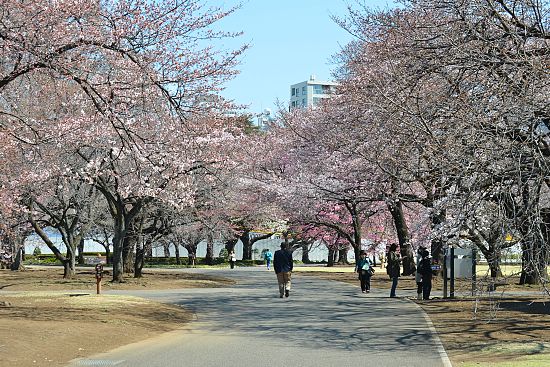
47	323
482	331
51	279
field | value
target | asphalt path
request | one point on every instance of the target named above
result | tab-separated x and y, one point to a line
322	323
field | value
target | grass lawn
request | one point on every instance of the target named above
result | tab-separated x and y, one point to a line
45	322
481	269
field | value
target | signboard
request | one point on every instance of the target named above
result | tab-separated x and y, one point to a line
93	260
462	263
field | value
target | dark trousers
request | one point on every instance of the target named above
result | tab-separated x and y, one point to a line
232	264
393	286
426	287
418	287
364	278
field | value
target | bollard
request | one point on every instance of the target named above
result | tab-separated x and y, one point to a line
98	276
445	278
474	279
452	265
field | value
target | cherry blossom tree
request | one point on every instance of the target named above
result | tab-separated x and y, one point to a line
460	87
122	90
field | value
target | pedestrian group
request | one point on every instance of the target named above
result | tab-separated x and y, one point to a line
283	266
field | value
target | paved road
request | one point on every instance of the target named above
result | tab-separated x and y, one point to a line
322	323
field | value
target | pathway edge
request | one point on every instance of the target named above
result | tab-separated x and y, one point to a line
439	345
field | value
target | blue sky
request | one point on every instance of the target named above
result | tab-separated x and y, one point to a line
290	40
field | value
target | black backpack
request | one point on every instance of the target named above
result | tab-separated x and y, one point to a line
425	266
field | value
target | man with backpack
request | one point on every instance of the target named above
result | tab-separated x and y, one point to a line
425	270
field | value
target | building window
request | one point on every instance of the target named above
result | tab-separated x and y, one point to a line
304	102
293	91
304	91
316	101
293	104
317	89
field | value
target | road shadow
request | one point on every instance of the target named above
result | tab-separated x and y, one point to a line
318	314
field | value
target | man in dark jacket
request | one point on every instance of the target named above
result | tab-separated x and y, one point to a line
425	269
282	263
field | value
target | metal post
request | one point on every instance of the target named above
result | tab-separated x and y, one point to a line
474	279
445	273
452	290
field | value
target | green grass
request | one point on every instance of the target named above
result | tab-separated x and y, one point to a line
482	269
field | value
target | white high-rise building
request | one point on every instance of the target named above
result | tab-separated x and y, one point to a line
310	92
264	119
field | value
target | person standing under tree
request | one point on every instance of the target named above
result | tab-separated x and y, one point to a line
393	268
283	265
427	274
268	255
232	259
365	271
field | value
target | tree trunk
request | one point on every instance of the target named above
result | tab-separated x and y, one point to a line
533	263
71	262
437	243
356	233
402	230
128	251
107	254
305	253
331	255
140	259
81	252
230	244
17	263
177	252
118	259
247	245
343	256
166	248
209	249
67	271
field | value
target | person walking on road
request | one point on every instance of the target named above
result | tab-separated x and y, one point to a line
364	268
268	256
418	275
393	268
283	265
232	259
427	274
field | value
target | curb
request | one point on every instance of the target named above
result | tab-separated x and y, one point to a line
439	345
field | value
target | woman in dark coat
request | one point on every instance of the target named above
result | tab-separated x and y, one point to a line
393	268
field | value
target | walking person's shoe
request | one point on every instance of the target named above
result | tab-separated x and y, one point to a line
367	291
281	296
287	293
